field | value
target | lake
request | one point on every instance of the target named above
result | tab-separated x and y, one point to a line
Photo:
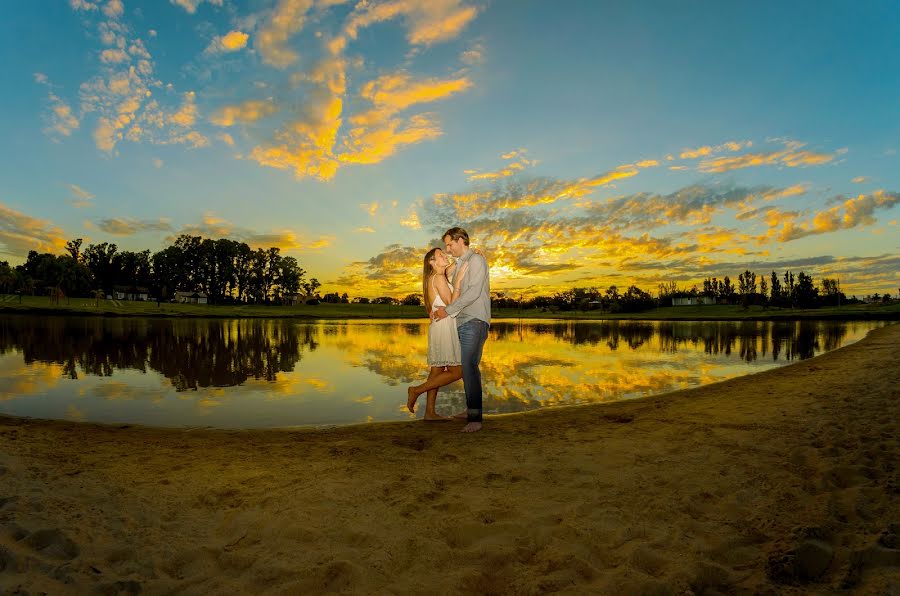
252	373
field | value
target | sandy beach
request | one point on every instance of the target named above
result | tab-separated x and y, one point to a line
777	483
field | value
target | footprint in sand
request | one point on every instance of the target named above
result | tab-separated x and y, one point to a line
52	543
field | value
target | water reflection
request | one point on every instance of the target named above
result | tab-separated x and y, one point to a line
246	373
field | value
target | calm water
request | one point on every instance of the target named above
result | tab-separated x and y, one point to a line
265	373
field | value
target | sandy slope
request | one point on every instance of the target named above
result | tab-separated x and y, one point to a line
781	482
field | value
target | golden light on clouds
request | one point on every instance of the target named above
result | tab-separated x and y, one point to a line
20	233
248	111
428	21
213	226
791	156
397	91
230	42
287	19
707	150
191	5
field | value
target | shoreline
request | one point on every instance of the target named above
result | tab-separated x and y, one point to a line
783	481
647	316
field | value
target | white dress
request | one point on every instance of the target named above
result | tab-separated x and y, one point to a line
443	339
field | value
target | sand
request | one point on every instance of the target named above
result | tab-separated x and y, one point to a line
778	483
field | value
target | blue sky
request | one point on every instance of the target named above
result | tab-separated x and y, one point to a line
581	143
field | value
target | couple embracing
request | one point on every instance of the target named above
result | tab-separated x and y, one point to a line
458	300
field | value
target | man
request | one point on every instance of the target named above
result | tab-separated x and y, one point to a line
472	310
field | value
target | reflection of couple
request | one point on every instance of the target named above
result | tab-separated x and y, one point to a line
458	299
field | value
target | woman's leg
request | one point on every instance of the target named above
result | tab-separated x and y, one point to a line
437	379
413	393
431	400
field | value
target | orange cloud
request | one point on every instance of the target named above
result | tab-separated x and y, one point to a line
428	21
248	111
20	233
707	150
395	92
230	42
287	19
792	156
510	169
213	226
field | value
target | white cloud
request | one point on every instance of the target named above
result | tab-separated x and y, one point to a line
191	5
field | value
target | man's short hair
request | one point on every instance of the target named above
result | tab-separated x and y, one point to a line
456	234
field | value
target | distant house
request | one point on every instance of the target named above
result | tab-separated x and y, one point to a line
693	300
190	297
131	293
293	299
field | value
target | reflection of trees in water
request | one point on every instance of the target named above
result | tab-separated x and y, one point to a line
752	339
191	353
211	354
749	339
633	333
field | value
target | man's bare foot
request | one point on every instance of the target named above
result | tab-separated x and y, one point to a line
411	398
436	418
461	415
472	427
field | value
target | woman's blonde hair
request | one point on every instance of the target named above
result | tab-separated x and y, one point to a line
427	269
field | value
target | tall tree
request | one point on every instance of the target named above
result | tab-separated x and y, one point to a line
99	259
73	247
776	289
806	294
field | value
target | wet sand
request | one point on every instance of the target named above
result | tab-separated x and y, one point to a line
778	483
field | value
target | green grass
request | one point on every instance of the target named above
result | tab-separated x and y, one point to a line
89	306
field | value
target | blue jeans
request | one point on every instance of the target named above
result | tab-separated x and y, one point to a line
472	335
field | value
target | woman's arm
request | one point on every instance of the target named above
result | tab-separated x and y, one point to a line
442	286
458	283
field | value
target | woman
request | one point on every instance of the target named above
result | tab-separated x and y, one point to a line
443	341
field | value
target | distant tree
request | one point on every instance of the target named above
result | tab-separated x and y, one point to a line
635	299
290	275
831	292
310	287
667	290
99	259
747	287
776	292
412	300
73	247
805	293
345	299
763	288
788	288
8	278
360	300
726	291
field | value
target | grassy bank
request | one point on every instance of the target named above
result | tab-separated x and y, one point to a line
121	308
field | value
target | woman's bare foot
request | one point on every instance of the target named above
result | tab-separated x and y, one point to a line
436	418
472	427
411	398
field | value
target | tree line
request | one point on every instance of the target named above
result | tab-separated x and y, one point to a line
229	271
225	270
785	291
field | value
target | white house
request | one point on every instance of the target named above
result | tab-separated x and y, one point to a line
190	297
131	293
693	300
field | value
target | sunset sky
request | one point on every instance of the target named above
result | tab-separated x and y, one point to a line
581	143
